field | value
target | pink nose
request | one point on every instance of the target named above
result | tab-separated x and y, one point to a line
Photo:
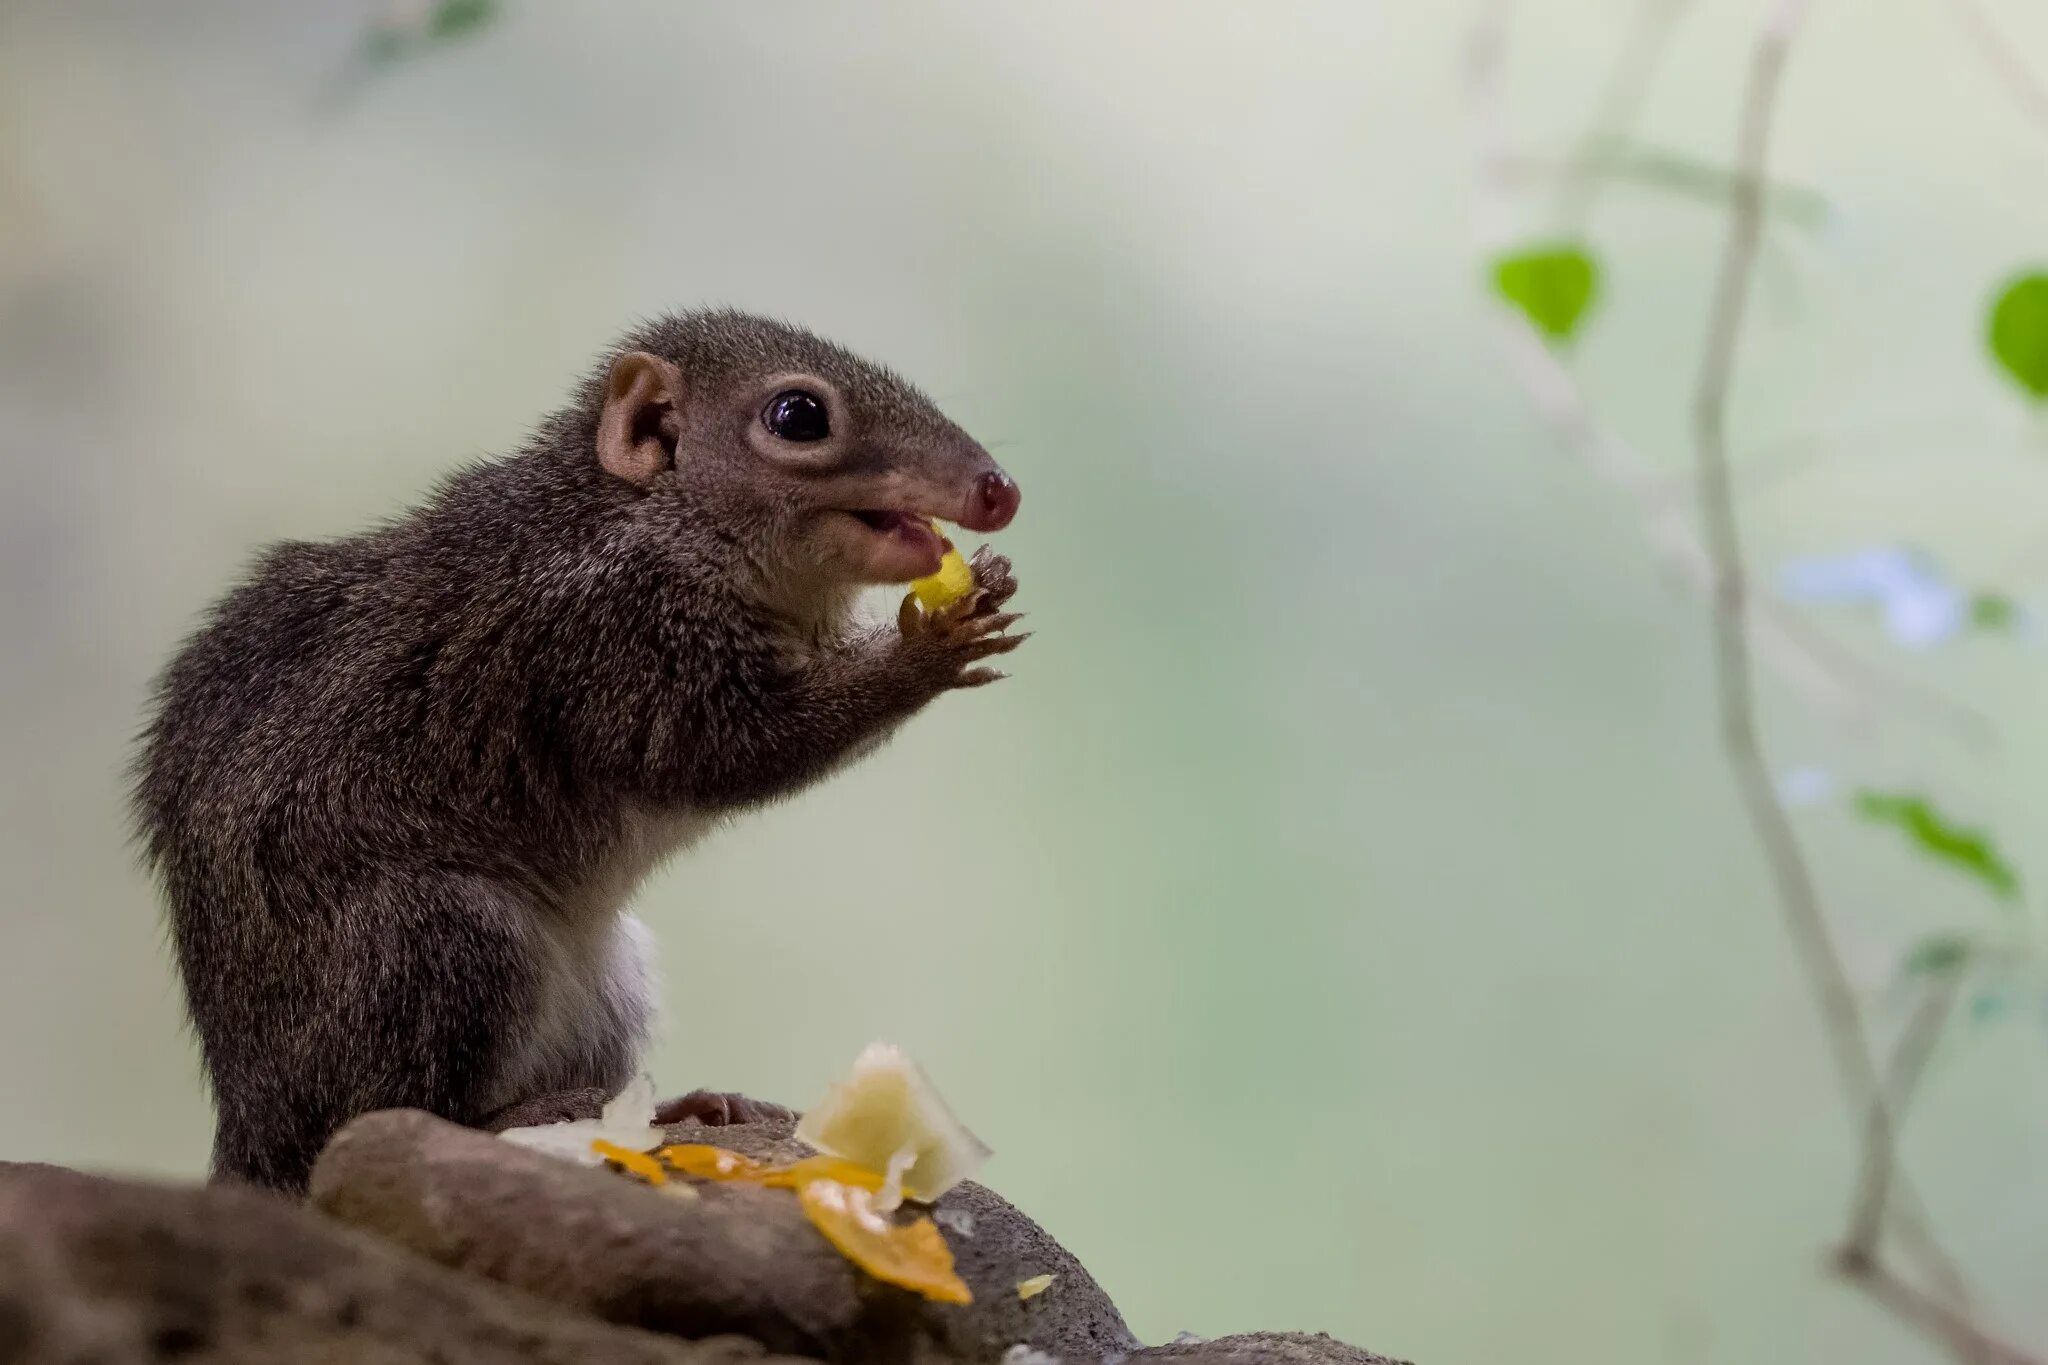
993	503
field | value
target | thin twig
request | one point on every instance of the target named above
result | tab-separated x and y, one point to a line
1883	1120
1615	161
1954	1329
1884	1182
1997	54
1770	464
1951	1326
1911	1225
1620	104
1722	535
1966	723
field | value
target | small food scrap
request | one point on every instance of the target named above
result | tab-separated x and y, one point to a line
798	1174
889	1197
953	581
912	1254
845	1203
960	1220
1024	1354
885	1108
714	1163
1036	1285
637	1163
627	1122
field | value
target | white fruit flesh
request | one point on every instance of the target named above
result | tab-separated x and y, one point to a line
886	1108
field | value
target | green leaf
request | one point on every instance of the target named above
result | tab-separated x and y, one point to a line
457	17
453	18
1969	851
382	46
387	42
1992	610
2018	333
1552	285
1938	955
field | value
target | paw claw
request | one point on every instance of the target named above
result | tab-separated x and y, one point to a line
991	645
945	642
979	626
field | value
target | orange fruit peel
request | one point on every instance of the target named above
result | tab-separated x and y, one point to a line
911	1255
637	1163
801	1173
714	1163
848	1204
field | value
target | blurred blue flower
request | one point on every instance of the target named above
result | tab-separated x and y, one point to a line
1987	1005
1920	608
1804	787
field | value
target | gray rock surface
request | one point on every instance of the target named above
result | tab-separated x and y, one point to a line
116	1272
1262	1348
1073	1318
468	1250
736	1259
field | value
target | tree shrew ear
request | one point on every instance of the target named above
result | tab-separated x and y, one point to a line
636	434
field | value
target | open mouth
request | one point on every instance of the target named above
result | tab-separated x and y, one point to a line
907	533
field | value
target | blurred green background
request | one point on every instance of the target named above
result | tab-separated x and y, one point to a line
1342	920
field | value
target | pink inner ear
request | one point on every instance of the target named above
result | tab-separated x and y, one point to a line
637	431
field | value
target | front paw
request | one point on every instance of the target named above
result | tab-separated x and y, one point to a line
947	646
718	1109
995	579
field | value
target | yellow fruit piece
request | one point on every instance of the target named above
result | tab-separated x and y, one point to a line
1033	1287
887	1109
838	1197
911	1254
638	1163
714	1163
802	1173
953	581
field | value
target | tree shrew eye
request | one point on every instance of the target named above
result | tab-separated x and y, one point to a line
795	415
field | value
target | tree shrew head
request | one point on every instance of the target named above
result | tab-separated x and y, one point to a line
842	463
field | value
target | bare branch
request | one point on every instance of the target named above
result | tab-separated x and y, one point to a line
1997	54
1953	1329
1883	1119
1621	102
1722	535
1659	169
1951	1326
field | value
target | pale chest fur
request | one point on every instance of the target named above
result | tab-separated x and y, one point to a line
595	1001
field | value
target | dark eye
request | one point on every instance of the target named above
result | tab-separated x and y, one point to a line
797	416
